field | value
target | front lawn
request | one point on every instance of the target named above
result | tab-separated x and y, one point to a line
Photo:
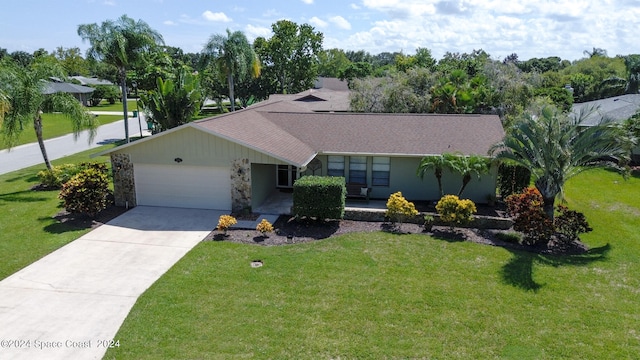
105	106
381	295
55	125
28	229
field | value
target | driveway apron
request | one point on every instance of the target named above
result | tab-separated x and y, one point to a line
71	303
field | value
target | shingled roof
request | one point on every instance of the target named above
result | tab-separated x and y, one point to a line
278	128
295	128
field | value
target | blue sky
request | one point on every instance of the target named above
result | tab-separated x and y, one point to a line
529	28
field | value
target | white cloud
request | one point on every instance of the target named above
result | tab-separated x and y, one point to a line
253	32
110	2
340	22
271	13
315	21
216	17
308	2
402	9
169	23
355	6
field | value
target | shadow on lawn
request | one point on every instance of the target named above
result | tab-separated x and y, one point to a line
21	196
518	272
28	177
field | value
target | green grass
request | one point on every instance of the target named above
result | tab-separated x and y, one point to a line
105	106
372	296
28	230
55	125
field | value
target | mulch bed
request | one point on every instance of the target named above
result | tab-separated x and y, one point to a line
289	231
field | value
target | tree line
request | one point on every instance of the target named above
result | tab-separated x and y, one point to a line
229	69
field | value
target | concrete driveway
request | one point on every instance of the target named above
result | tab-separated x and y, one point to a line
70	304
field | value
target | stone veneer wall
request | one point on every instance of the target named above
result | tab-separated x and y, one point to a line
240	185
124	185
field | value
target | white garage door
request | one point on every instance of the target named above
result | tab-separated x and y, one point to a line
195	187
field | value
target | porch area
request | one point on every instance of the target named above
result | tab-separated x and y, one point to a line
487	217
280	203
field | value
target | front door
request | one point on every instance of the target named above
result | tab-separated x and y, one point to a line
286	175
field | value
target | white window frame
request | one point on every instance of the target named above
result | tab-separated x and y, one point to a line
381	165
358	164
335	165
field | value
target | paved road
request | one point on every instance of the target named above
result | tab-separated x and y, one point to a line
28	155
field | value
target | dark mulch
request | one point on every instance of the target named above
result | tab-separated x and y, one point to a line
82	221
290	231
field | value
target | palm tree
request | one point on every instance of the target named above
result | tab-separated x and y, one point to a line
438	163
596	52
5	105
121	43
467	166
25	101
234	57
555	147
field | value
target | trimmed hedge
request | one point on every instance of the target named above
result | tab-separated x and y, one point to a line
319	197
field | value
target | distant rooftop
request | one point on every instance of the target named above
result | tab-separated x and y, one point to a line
91	81
617	108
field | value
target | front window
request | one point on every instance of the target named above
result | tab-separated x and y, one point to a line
380	171
358	170
335	165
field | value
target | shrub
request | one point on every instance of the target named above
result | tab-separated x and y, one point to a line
319	197
455	211
60	174
109	92
86	192
526	208
569	224
428	222
512	179
264	227
399	209
225	222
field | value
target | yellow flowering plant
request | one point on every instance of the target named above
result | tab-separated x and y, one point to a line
399	209
455	211
264	227
225	222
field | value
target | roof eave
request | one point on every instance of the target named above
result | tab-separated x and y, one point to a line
255	148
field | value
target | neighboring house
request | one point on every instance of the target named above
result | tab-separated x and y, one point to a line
616	109
90	81
82	93
237	160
